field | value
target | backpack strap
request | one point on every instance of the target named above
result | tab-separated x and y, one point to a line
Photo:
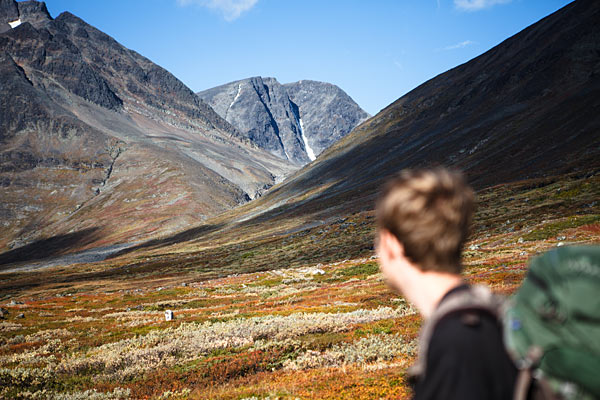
530	387
476	298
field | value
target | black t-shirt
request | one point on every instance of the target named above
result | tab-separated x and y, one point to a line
466	359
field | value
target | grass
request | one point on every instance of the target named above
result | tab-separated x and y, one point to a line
252	309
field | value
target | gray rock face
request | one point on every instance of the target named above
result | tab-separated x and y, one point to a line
34	12
328	113
296	121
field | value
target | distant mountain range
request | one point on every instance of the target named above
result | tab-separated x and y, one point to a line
527	108
96	138
295	121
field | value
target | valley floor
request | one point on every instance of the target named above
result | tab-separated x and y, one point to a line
306	315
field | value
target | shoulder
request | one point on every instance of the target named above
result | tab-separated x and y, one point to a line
464	354
466	333
466	360
464	315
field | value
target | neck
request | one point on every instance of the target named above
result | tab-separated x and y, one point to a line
433	286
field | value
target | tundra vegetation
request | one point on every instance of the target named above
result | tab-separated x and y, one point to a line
302	315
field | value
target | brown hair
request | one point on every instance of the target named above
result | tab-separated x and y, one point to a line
429	211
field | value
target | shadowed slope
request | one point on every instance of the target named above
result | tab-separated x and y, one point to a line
527	108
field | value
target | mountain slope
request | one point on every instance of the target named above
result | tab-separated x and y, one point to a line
295	121
96	137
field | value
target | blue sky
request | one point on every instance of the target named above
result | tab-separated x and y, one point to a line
375	50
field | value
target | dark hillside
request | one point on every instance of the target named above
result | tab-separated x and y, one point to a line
529	107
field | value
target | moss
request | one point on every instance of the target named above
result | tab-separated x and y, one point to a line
143	330
380	327
361	270
201	303
395	382
554	228
383	327
568	194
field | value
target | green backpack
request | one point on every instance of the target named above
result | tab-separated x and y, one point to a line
552	325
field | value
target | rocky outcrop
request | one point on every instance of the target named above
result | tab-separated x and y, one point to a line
134	76
9	12
34	12
295	121
261	109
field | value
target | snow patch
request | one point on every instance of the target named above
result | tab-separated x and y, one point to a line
14	24
236	96
309	150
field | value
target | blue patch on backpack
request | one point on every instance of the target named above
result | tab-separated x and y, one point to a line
515	324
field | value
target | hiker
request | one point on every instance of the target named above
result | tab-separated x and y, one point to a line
423	219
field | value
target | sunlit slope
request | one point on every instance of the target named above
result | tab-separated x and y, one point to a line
99	143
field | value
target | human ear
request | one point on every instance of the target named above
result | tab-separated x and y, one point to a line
389	246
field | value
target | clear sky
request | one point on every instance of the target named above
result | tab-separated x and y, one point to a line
375	50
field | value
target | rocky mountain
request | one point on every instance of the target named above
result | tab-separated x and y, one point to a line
100	145
527	108
295	121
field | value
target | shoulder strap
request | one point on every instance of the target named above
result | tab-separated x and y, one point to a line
476	298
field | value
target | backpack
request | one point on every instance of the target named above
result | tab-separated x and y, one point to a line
552	325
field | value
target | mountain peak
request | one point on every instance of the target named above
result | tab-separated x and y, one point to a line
295	121
9	14
31	7
9	10
525	109
76	100
34	12
67	17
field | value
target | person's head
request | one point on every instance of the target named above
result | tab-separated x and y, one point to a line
423	219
